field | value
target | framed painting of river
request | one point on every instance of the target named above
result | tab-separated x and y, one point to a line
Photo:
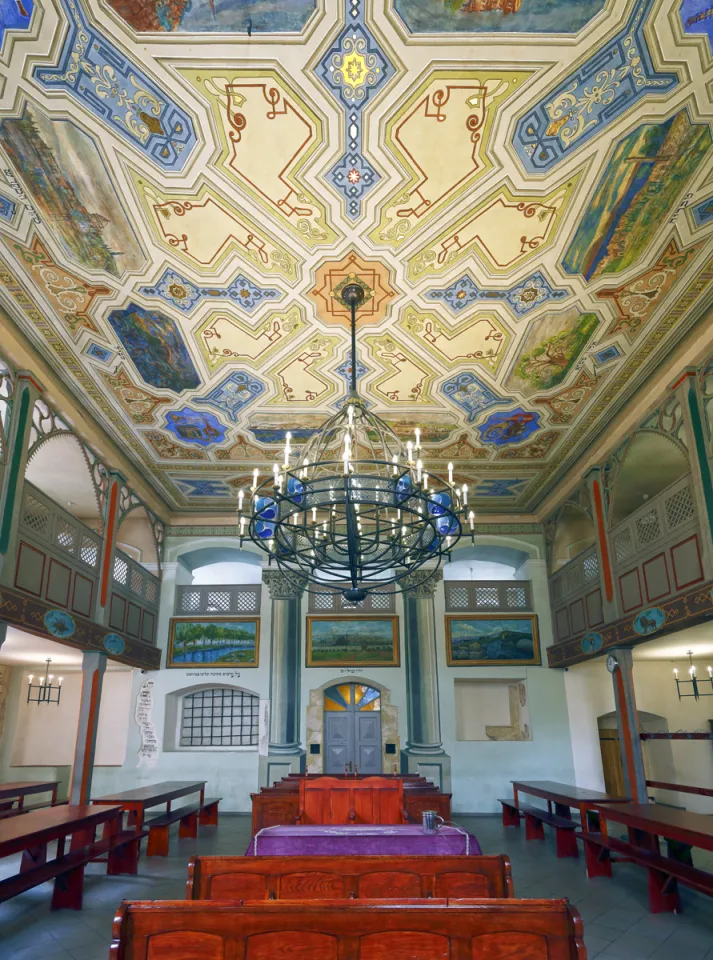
484	640
346	641
213	642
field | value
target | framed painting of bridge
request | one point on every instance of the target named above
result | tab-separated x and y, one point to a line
345	641
213	642
486	640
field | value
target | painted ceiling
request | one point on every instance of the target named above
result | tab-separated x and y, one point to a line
524	186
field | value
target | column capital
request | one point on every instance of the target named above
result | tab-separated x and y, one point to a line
283	585
421	585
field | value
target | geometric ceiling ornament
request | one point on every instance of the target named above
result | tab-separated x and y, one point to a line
223	338
233	393
353	69
408	378
251	109
549	350
471	394
636	300
71	297
536	449
298	377
7	208
525	296
565	406
702	213
180	293
498	487
194	487
642	182
332	275
610	82
15	16
118	93
154	343
168	450
69	183
504	230
137	402
203	228
480	338
246	17
441	137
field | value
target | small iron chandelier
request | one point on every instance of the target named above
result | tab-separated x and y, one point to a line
355	507
45	690
693	682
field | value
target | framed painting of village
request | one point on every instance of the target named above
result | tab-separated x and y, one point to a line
213	642
487	640
347	641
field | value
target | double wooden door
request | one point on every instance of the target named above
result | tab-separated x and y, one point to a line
352	729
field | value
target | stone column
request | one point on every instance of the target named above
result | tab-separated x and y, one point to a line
110	525
173	574
627	718
605	557
93	667
424	753
285	754
26	392
688	391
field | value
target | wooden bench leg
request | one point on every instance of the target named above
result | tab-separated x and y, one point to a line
209	815
566	843
124	859
663	892
511	818
597	860
188	826
534	830
33	857
157	845
69	890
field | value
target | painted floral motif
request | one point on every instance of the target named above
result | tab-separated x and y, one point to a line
521	299
114	644
536	449
566	405
138	403
168	450
59	623
178	292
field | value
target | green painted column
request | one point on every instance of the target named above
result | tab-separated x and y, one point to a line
26	392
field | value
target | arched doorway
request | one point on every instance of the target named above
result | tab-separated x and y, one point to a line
352	728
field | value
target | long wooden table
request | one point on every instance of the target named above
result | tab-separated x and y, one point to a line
19	789
645	823
30	835
137	802
564	797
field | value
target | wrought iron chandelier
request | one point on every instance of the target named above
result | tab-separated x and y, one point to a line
697	687
355	507
45	690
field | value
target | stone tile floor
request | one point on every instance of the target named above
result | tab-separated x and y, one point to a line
617	923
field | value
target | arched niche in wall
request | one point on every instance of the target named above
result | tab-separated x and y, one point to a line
239	703
59	468
574	533
651	462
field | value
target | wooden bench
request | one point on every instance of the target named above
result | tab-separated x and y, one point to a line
6	812
535	818
187	818
664	872
316	878
367	929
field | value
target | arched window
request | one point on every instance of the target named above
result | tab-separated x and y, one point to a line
219	717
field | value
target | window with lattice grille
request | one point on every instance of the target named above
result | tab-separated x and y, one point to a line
679	507
190	602
380	601
88	551
623	545
137	582
486	597
218	601
516	597
35	516
590	568
121	571
246	601
647	528
323	601
219	718
458	598
65	535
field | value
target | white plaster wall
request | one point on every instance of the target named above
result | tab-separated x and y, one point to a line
590	694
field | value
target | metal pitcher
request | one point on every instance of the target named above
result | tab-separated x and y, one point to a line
431	822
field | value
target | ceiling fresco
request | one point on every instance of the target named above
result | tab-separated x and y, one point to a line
525	188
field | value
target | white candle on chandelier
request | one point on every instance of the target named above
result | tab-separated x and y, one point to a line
419	470
345	458
418	438
409	450
275	472
425	481
692	671
288	437
314	514
271	544
471	520
59	680
465	494
675	672
29	679
710	673
450	474
395	461
241	494
255	476
350	415
242	525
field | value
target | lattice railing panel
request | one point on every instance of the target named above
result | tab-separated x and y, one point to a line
36	516
121	571
648	528
679	507
623	545
222	600
480	595
377	601
590	568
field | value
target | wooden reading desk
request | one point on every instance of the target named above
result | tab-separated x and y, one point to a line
31	833
137	802
645	823
564	798
19	789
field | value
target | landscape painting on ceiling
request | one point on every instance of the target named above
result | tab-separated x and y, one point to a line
550	348
496	16
215	16
697	17
14	15
154	343
643	180
65	176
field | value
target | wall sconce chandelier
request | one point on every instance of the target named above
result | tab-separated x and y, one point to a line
693	682
45	690
355	504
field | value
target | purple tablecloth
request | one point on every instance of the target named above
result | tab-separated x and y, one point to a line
312	840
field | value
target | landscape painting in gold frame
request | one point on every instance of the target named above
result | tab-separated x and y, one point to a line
490	640
347	641
213	642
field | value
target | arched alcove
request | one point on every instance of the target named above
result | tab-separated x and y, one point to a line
652	461
136	538
491	558
574	533
221	564
59	469
658	754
